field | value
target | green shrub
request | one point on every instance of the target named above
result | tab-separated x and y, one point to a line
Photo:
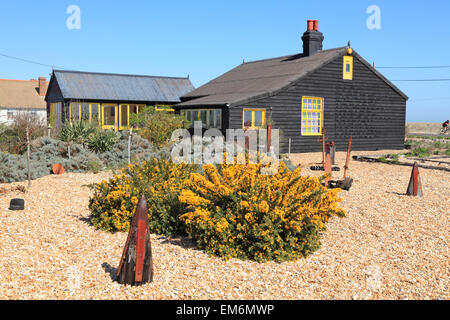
157	126
77	132
102	141
94	166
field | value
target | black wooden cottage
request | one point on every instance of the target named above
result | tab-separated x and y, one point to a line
109	99
335	89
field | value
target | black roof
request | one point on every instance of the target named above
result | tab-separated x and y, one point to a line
120	87
257	79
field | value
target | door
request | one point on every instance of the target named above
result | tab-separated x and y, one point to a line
124	116
110	116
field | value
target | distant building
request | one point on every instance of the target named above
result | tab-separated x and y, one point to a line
109	99
22	96
303	93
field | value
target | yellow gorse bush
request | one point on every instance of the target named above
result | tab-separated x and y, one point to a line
114	202
236	212
231	211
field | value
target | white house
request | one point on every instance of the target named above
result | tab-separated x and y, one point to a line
19	96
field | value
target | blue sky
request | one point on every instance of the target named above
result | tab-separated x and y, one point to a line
207	38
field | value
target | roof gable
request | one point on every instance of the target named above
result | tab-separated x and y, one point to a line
120	87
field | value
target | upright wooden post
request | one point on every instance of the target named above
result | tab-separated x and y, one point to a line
28	156
269	136
289	150
129	145
348	156
136	265
323	146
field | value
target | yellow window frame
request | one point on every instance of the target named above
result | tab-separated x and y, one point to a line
90	111
164	107
312	116
252	126
197	112
55	114
348	61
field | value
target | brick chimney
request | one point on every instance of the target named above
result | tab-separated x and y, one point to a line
312	38
42	86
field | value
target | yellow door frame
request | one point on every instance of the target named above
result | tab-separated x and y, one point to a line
121	127
115	127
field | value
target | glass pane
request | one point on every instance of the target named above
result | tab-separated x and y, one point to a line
247	118
75	111
347	68
109	113
203	116
211	118
124	115
196	115
94	112
85	111
133	108
189	116
218	118
258	118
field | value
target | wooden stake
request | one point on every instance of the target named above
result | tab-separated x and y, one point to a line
348	156
129	145
28	157
323	146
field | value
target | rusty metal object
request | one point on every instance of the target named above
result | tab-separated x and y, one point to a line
323	146
57	168
331	149
347	182
328	169
415	185
136	264
348	156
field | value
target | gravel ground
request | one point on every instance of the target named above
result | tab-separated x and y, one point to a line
390	246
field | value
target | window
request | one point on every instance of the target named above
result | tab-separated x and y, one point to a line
164	107
55	116
348	68
253	118
312	116
94	112
75	114
211	118
10	115
84	111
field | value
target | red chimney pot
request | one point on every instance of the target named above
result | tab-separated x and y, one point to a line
316	25
310	25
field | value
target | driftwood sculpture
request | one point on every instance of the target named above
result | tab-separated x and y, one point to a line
136	265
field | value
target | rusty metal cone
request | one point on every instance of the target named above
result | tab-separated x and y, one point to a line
415	185
136	264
